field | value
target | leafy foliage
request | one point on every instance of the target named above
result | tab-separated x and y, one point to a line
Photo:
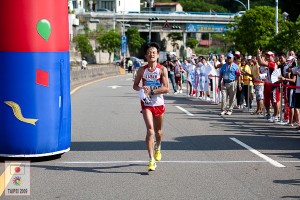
201	6
109	41
174	37
288	38
289	6
135	41
83	45
255	29
192	43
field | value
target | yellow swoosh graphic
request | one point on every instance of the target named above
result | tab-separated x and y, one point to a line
18	114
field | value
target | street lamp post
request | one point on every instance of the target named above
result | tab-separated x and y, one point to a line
248	4
244	4
150	26
276	17
285	16
123	36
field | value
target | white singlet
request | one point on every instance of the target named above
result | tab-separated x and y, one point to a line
152	79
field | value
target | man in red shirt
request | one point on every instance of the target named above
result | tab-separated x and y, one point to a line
271	93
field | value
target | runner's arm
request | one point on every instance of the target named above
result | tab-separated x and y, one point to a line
137	79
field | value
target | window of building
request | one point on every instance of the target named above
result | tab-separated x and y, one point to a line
74	2
108	5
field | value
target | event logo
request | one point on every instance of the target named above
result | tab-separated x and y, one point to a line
17	180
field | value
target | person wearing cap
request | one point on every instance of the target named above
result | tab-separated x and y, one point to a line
229	73
290	79
237	54
271	93
83	64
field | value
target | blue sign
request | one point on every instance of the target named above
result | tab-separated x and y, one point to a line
123	44
207	28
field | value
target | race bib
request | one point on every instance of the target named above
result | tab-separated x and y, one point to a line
153	84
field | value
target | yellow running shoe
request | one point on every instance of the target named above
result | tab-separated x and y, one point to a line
152	165
157	155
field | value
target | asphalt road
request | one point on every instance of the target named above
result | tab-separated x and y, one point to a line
205	155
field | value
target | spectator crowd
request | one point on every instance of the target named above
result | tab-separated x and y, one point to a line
235	80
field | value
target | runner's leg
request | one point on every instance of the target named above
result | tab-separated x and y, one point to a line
158	123
147	115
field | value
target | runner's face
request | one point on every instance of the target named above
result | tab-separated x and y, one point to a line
152	54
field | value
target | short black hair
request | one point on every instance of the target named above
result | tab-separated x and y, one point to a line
152	44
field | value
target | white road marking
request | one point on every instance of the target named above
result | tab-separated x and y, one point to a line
168	161
175	161
266	158
114	86
89	83
186	112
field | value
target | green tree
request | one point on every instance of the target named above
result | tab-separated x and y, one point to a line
202	6
109	42
83	45
134	40
192	43
288	37
174	37
255	29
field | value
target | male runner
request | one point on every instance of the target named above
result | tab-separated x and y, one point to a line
155	83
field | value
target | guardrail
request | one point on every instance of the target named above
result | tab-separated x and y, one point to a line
93	72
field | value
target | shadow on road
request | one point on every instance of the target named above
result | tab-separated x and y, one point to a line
104	169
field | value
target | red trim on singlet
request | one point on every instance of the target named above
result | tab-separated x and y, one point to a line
159	66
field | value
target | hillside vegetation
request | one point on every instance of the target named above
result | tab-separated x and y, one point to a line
289	6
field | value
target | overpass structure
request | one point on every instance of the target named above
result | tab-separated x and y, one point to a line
165	21
155	26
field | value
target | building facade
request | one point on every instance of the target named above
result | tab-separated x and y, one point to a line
118	6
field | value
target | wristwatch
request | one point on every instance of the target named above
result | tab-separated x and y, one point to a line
151	92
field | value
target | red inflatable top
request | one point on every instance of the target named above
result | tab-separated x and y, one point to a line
34	26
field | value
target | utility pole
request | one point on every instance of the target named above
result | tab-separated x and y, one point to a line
150	26
276	17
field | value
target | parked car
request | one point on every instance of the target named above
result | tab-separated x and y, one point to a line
119	62
102	10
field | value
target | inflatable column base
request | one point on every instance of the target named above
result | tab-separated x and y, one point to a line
35	155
